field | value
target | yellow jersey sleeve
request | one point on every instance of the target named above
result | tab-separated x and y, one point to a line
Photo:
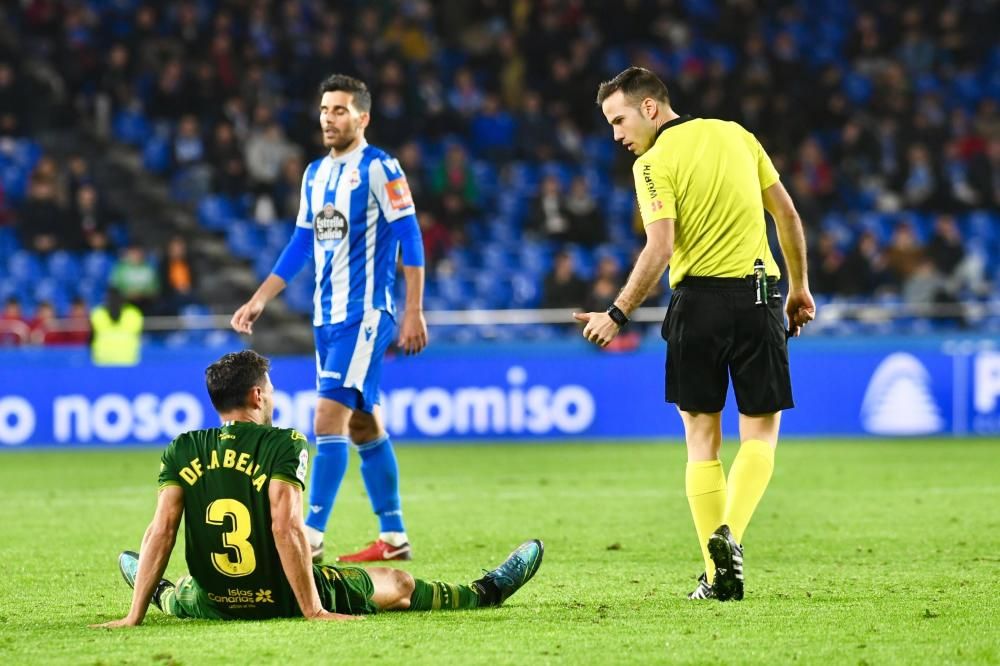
655	192
766	173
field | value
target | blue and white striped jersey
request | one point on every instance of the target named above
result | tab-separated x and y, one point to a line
349	202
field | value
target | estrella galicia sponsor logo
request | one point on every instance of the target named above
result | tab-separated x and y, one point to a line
331	225
899	401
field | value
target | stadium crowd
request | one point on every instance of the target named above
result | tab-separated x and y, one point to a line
881	117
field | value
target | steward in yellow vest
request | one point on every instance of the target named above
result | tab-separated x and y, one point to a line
117	328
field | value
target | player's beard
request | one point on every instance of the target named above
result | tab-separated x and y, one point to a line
341	141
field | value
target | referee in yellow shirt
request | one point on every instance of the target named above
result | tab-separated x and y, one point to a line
702	186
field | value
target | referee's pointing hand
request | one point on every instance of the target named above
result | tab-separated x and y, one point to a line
600	329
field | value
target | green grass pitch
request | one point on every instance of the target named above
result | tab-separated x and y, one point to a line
861	552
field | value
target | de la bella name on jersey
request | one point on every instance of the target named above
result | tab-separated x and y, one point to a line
229	459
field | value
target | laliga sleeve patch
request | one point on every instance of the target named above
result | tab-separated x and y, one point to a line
300	473
398	191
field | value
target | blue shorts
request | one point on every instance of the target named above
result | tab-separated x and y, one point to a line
351	357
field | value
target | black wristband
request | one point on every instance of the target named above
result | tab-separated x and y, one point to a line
617	316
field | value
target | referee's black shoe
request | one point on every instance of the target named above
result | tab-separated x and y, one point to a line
728	558
704	590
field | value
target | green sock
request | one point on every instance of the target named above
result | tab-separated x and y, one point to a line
168	601
434	595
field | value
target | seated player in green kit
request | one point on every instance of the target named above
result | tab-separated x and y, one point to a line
240	486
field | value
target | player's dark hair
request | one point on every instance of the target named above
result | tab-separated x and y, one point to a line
636	83
230	379
343	83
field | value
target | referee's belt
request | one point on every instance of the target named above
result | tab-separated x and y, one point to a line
702	282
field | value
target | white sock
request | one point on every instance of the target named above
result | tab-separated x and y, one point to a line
396	539
315	537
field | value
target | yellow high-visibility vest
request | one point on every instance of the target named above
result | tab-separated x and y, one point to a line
116	342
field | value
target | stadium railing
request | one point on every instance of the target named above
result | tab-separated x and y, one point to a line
829	313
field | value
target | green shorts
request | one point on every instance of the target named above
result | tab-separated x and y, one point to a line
346	590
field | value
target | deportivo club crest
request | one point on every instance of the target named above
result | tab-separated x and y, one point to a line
330	225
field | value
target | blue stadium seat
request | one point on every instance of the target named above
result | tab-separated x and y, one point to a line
9	244
525	290
118	234
495	258
982	224
493	289
535	257
14	179
130	126
513	207
457	292
91	291
299	294
24	266
156	155
583	259
277	234
215	212
245	239
485	176
434	303
462	258
876	223
504	233
48	289
523	176
97	266
615	60
560	170
63	267
22	152
10	287
264	260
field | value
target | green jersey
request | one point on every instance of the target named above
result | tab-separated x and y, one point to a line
225	473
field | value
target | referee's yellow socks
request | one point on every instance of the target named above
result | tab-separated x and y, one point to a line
705	483
748	479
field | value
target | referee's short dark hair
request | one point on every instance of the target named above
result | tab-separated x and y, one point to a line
231	377
349	84
636	83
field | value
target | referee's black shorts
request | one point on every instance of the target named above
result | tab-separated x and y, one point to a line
713	331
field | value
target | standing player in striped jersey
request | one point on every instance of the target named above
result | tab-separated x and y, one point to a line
355	216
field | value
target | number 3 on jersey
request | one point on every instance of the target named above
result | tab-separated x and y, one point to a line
235	541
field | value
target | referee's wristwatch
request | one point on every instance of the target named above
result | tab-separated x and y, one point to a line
617	316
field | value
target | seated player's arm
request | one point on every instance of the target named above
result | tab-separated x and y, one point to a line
154	554
649	267
293	548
